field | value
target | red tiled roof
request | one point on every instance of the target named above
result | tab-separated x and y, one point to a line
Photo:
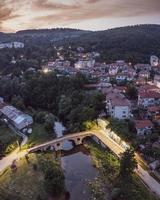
117	99
140	124
153	108
91	85
149	94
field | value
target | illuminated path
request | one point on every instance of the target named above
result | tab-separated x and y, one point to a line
150	182
78	139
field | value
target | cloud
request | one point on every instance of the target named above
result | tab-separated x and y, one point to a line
93	1
49	13
48	5
6	13
95	9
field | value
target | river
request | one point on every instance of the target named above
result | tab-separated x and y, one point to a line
78	168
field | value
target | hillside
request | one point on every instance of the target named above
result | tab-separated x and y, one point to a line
41	36
133	43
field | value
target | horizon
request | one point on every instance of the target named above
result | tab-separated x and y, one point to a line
91	15
54	28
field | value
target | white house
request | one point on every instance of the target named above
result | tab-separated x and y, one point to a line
148	98
83	63
117	105
143	127
17	45
154	60
145	67
157	80
10	45
144	74
113	69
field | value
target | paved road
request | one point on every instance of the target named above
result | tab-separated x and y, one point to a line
15	155
149	180
116	148
7	161
143	174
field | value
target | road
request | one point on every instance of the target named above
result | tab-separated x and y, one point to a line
143	174
15	155
7	161
116	148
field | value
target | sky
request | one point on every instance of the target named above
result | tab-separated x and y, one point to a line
82	14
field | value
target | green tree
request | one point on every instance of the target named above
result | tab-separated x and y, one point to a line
49	122
18	102
127	166
132	92
53	178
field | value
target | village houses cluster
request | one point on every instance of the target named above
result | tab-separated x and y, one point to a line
112	80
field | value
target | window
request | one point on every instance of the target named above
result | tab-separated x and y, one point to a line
124	112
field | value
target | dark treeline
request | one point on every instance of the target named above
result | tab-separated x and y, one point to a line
65	97
133	43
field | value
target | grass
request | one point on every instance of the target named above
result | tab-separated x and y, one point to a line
39	135
8	139
141	191
26	183
108	166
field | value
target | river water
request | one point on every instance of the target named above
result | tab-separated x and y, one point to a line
78	168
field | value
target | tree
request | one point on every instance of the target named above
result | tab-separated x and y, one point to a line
40	117
127	166
53	178
131	92
18	102
49	121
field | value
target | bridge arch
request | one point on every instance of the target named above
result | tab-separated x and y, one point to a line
57	144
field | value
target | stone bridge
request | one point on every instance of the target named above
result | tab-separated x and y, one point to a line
57	144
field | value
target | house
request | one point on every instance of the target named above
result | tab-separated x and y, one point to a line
117	105
15	117
140	67
121	77
154	112
10	45
157	80
113	69
154	165
143	127
124	77
1	99
121	89
140	81
148	98
144	74
83	63
154	60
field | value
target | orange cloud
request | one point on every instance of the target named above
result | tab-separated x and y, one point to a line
67	12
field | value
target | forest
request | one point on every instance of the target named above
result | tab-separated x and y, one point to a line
64	97
133	44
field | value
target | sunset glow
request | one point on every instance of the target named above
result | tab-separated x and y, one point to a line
84	14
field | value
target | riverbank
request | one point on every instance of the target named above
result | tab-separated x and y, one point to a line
26	181
108	166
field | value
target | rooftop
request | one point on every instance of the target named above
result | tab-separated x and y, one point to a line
117	99
140	124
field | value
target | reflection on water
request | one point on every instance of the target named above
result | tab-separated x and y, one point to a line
77	165
78	172
59	129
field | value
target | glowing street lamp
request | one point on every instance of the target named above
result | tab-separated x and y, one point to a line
46	70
